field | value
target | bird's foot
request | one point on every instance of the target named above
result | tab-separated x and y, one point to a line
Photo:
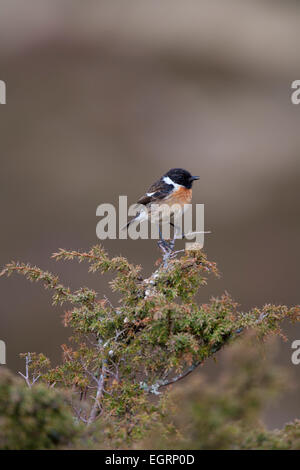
165	246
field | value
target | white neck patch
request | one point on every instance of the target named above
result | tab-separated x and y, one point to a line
168	180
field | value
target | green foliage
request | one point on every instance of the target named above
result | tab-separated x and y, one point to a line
36	418
155	336
287	438
225	413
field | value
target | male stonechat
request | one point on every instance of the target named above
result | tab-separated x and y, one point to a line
166	197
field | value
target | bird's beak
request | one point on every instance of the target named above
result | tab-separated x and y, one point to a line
193	178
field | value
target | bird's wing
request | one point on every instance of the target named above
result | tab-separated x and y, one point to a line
156	192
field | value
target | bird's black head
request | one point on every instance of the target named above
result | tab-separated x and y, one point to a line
181	176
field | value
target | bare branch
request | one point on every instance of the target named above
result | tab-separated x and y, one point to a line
96	406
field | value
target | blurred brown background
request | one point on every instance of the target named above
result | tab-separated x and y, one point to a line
102	98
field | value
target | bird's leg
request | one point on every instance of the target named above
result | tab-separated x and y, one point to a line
166	247
172	244
176	228
172	240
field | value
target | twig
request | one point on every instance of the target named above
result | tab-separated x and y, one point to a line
26	376
100	388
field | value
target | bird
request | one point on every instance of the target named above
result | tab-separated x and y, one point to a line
169	194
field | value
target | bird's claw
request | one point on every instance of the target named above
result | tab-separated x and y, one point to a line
166	247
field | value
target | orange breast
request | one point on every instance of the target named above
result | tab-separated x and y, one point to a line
175	202
181	196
